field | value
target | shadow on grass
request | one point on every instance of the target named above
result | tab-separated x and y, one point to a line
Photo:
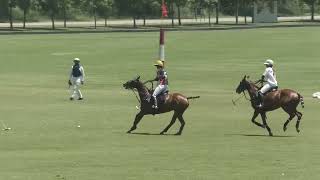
259	135
152	134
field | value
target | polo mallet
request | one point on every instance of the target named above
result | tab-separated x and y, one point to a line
234	101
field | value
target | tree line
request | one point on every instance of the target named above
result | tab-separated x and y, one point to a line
137	9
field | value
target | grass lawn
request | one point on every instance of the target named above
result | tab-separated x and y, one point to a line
218	142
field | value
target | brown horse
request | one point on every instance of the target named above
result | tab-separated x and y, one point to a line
287	99
173	102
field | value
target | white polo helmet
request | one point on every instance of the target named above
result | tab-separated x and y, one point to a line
76	60
269	62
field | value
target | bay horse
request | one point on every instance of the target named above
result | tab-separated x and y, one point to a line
173	102
287	99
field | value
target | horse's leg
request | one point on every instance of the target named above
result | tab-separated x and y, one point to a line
264	120
255	114
173	120
139	116
299	115
291	110
182	122
292	115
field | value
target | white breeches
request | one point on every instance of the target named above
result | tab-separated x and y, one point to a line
266	88
76	83
157	91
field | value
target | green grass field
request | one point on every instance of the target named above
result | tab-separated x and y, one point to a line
219	140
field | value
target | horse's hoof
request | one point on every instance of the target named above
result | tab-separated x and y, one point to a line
128	132
284	128
178	134
162	133
270	134
298	131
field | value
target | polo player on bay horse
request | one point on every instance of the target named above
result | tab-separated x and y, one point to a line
162	79
269	77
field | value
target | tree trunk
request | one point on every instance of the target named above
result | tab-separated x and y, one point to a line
105	22
10	18
95	18
24	18
217	13
134	22
172	15
252	19
144	20
179	15
209	13
65	18
312	10
52	20
237	12
245	15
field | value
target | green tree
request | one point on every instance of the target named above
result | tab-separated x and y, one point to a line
64	6
311	4
193	5
105	9
210	5
150	8
25	6
170	5
50	7
12	4
4	9
246	9
135	10
180	4
93	6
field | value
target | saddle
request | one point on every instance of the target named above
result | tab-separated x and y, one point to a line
260	98
161	98
271	90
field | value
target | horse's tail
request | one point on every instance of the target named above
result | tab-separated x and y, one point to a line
193	97
301	100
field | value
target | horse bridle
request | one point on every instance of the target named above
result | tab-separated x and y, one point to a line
137	95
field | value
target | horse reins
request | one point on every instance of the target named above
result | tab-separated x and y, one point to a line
136	96
245	96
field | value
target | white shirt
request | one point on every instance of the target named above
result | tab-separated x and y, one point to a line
82	72
270	77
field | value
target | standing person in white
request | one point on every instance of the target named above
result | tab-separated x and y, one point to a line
269	77
76	79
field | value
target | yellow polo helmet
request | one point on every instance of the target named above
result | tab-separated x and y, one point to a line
158	63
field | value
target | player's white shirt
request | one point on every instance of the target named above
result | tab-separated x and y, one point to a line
270	77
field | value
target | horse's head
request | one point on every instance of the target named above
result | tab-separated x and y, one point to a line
243	85
131	84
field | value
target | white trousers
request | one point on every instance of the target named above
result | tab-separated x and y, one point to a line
76	83
266	88
157	91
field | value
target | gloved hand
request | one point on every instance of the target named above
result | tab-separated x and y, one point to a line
69	82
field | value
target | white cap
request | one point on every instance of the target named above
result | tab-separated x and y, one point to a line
268	62
76	59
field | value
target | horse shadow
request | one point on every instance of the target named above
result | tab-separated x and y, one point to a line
151	134
260	135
